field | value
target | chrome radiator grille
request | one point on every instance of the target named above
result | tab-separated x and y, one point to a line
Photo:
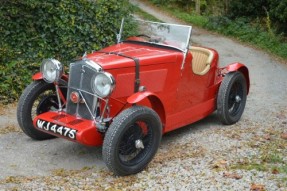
80	78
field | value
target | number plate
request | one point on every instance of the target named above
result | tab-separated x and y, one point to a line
57	129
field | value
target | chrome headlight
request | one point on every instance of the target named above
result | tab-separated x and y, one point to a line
52	70
103	84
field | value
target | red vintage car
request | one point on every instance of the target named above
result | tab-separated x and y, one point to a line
126	96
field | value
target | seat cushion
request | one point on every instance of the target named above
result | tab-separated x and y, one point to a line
201	59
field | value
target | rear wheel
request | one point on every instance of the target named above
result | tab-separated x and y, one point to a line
231	98
132	140
39	97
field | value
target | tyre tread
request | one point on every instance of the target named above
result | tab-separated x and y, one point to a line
223	93
25	100
116	126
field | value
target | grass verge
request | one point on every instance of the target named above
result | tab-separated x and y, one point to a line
271	158
253	34
144	15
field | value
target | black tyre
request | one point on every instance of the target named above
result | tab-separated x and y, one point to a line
231	98
37	98
132	140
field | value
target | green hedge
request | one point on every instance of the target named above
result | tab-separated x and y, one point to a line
32	30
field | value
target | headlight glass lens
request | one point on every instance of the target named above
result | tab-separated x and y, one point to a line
52	70
103	84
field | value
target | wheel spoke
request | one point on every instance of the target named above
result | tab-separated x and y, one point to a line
135	142
234	100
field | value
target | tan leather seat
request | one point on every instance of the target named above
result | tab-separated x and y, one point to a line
202	59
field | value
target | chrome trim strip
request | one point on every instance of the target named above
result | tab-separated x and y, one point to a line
119	35
104	111
58	97
187	48
87	92
93	64
81	85
88	106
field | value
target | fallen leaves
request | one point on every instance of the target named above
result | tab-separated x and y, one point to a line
284	136
65	173
220	164
2	110
178	151
15	180
9	129
275	171
232	175
7	109
267	137
257	187
281	116
87	178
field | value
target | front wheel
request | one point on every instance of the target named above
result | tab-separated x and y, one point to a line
132	140
231	98
37	98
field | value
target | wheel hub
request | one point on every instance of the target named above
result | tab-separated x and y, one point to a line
237	99
131	141
139	144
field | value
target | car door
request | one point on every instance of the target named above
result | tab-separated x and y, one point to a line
193	98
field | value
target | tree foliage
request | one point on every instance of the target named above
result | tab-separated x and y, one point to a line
247	8
63	29
278	13
275	10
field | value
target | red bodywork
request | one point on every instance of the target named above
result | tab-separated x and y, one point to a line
176	93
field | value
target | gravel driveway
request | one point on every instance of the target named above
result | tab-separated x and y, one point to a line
250	155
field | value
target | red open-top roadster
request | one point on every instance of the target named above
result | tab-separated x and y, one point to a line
126	96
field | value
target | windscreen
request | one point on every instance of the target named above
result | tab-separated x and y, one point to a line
164	34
